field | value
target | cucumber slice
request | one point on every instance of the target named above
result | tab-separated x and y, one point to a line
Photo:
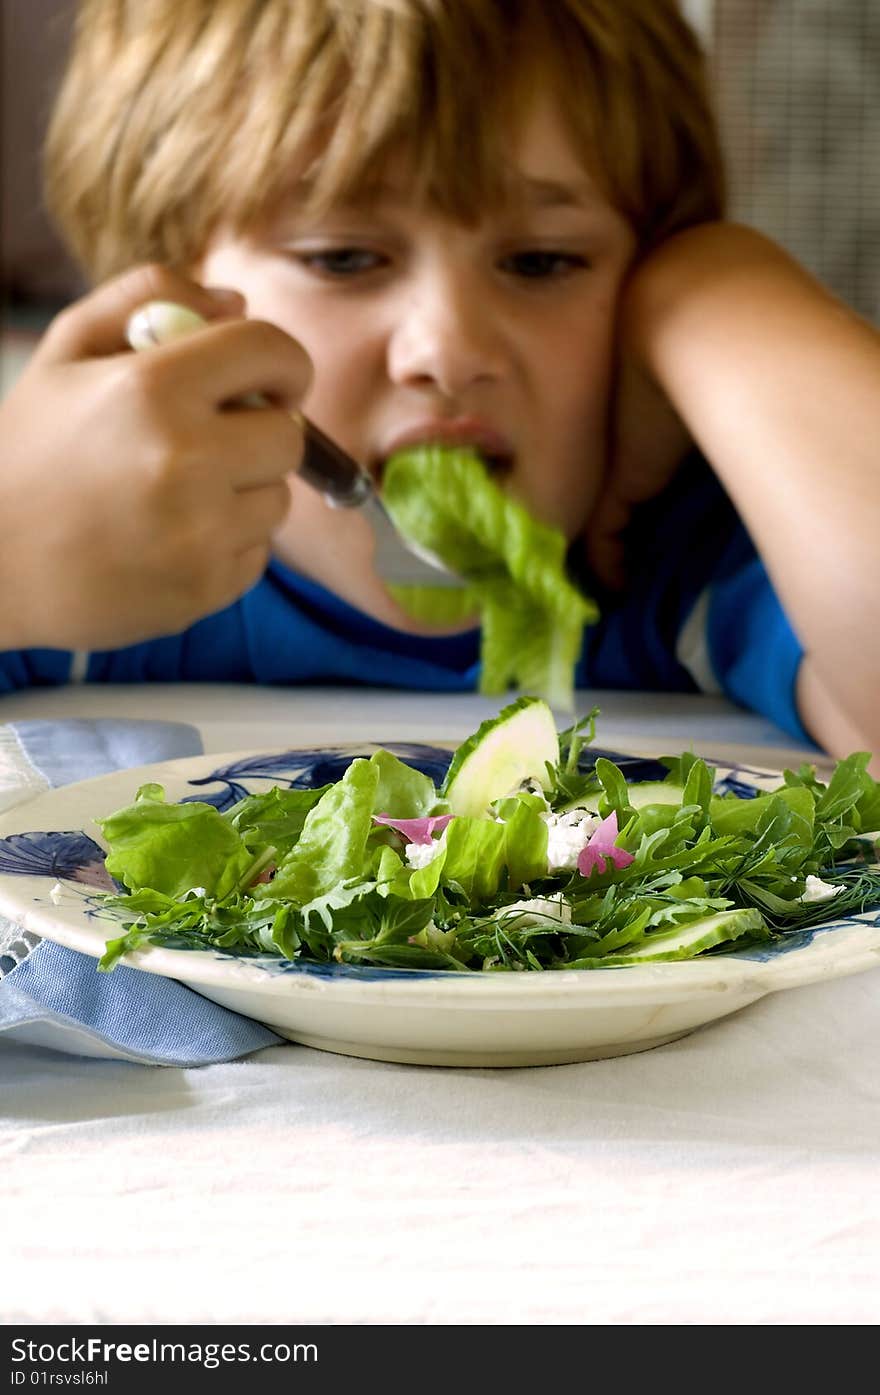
685	941
590	802
641	793
505	750
654	792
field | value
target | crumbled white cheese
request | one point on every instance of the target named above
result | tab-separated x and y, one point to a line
56	895
567	836
539	909
817	890
418	855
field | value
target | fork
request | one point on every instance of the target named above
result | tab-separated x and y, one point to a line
325	466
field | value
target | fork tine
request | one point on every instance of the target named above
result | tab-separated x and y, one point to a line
399	560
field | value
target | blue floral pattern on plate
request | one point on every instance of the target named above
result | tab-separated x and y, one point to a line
305	769
72	856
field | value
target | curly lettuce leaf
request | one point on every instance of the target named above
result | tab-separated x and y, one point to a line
402	790
171	848
335	848
532	616
274	818
332	848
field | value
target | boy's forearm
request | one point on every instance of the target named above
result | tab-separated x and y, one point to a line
779	384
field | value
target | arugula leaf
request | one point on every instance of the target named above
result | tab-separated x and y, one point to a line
732	815
615	789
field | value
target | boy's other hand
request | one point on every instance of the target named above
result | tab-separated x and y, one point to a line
135	497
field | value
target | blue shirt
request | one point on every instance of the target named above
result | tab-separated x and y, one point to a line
699	612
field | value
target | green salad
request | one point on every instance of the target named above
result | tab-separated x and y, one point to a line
532	616
529	856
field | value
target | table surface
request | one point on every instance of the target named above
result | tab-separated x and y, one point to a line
726	1178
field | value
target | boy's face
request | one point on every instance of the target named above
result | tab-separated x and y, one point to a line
423	329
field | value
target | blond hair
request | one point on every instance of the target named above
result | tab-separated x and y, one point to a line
177	116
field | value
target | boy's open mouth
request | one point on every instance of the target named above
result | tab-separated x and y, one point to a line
494	450
500	467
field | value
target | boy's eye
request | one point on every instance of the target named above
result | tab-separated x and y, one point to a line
340	261
538	264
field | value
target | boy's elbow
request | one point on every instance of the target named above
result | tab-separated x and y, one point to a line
839	726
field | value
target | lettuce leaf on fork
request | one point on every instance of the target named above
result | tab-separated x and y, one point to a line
532	615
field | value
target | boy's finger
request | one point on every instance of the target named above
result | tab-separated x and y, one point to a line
230	361
96	325
262	447
257	513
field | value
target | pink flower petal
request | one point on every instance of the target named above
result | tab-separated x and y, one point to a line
601	849
415	830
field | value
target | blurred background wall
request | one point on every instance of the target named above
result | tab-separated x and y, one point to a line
34	268
797	86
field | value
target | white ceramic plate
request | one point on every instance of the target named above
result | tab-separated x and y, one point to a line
51	871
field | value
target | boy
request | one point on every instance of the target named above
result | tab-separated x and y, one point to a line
496	224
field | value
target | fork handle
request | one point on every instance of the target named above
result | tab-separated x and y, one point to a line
327	468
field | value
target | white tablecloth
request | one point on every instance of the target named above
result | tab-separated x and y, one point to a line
727	1178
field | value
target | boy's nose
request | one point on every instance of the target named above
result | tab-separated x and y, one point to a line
445	337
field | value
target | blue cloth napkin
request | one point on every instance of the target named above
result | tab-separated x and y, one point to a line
52	996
